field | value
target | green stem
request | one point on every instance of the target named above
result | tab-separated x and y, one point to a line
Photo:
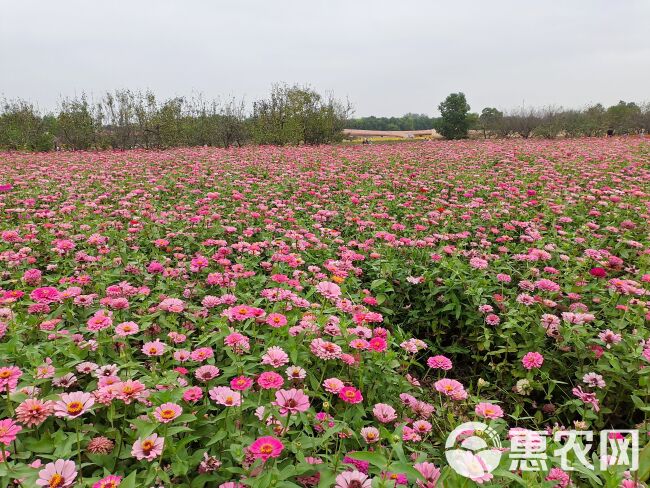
77	426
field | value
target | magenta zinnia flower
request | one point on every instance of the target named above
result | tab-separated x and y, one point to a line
532	360
58	474
241	383
266	447
110	481
270	380
350	394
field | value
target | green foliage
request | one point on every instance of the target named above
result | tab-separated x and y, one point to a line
22	128
294	115
406	122
455	122
77	124
489	120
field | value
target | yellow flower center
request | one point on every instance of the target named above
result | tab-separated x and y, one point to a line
168	413
56	480
74	408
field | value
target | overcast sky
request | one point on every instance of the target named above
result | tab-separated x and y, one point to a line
387	57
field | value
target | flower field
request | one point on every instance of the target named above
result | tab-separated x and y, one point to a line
321	316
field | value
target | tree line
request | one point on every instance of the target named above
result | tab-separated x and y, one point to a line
456	120
126	119
406	122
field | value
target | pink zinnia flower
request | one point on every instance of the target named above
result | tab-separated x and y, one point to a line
241	383
291	401
488	411
172	305
384	413
193	394
328	290
73	405
378	344
101	320
333	385
225	396
275	356
532	360
9	378
270	380
155	348
276	320
296	373
110	481
266	447
207	372
126	329
8	431
439	362
58	474
609	337
451	388
167	412
353	479
370	434
430	473
324	349
350	394
33	412
46	294
130	390
148	448
202	353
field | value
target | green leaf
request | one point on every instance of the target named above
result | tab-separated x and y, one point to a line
129	481
373	458
644	463
511	476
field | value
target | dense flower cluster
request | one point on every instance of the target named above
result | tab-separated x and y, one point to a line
304	316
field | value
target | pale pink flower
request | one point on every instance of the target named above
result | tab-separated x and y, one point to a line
148	448
291	401
225	396
167	412
73	405
59	474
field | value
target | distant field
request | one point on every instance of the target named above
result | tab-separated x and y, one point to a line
406	134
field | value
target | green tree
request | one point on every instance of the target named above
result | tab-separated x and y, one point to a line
455	122
489	120
623	117
76	126
297	115
22	128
